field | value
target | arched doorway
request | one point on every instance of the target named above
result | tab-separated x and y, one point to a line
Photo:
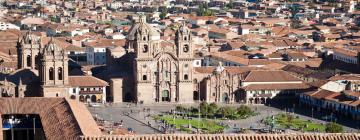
196	95
256	100
165	96
81	98
93	98
263	101
238	97
225	97
87	98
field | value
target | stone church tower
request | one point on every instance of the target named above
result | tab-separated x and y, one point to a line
54	71
162	69
28	49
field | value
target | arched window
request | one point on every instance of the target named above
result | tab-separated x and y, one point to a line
186	77
60	73
144	77
51	73
28	60
37	62
185	38
186	48
144	38
195	81
145	48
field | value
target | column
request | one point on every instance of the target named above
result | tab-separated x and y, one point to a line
32	60
103	95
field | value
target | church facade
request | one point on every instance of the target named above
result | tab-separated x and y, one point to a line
163	69
43	71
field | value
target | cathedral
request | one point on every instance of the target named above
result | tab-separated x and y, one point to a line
43	71
163	69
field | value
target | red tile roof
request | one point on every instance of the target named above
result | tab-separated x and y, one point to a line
270	76
275	86
86	81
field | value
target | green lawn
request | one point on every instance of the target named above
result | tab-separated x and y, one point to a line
283	121
205	125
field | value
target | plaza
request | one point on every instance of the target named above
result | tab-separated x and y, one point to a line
138	118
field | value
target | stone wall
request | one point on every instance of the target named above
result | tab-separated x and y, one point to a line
304	136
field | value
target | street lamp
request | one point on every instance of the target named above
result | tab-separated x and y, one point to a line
312	112
12	121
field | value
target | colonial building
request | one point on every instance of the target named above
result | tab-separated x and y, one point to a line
163	69
43	70
248	85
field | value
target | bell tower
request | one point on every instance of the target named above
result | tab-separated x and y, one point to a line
28	50
183	42
142	45
54	71
184	50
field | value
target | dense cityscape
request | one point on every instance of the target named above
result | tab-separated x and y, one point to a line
180	69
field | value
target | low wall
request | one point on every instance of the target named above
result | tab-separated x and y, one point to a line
289	136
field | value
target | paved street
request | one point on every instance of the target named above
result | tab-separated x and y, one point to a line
135	117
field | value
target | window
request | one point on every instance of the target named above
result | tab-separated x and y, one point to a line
60	73
144	38
51	73
144	77
186	65
74	90
186	77
145	48
185	38
28	60
225	82
186	48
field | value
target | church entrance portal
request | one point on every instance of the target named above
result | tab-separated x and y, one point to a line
165	96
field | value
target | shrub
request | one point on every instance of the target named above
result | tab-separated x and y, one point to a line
333	128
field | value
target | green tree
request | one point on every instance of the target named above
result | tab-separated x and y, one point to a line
226	111
244	110
230	5
163	14
180	108
204	107
295	23
213	107
334	128
204	10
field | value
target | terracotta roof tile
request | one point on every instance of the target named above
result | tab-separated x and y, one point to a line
275	86
270	76
86	81
58	116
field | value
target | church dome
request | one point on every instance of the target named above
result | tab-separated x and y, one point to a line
51	48
219	68
30	38
184	29
141	27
